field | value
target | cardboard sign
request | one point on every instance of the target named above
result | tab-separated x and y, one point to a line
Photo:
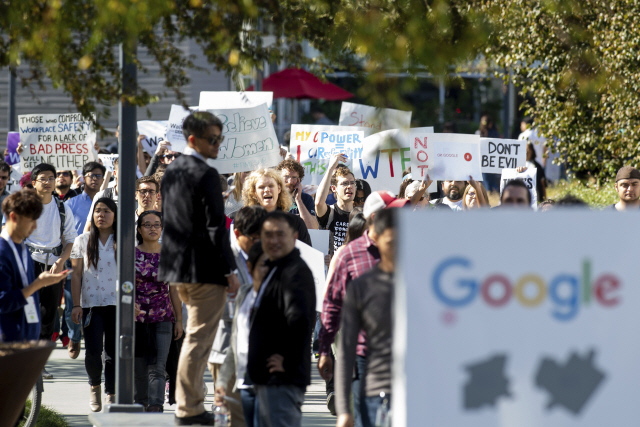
155	132
174	128
12	157
228	100
107	160
529	177
446	156
378	119
498	154
315	261
536	335
250	141
314	145
62	140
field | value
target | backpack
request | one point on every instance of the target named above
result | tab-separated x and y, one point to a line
57	251
330	219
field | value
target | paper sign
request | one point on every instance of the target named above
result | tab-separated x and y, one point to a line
498	154
218	100
174	128
315	261
535	334
155	132
250	141
107	160
13	184
378	119
529	177
320	240
13	139
446	156
62	140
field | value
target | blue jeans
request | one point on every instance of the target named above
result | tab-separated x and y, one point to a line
74	331
361	418
150	380
372	404
280	405
250	407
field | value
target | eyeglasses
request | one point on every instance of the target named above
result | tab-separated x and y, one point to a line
172	156
65	174
149	226
213	139
347	183
290	178
147	192
45	180
94	175
359	199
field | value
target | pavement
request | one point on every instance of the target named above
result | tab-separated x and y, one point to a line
68	393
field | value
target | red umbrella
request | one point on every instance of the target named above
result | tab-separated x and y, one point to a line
300	84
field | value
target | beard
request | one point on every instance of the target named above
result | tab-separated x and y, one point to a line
454	194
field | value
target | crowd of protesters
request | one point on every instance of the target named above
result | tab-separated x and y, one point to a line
219	281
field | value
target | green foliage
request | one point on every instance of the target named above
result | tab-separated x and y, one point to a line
47	417
596	196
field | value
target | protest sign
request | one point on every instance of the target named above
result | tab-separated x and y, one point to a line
313	146
498	154
445	156
315	261
535	334
13	184
62	140
12	157
107	160
529	177
174	128
250	141
378	119
155	132
227	100
320	240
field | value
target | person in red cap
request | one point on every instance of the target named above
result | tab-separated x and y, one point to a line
628	188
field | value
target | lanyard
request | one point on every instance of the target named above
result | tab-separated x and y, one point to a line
22	263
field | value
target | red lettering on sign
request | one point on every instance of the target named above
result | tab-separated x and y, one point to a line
467	157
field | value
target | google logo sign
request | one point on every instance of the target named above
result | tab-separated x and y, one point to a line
455	286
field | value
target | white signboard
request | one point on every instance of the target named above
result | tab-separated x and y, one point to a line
446	156
498	154
62	140
13	184
315	261
217	100
155	132
487	335
250	141
529	177
107	160
320	240
378	119
174	128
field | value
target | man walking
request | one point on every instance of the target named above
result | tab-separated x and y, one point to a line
284	313
63	186
196	256
628	188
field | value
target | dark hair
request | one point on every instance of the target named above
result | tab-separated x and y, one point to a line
4	166
530	146
384	219
341	172
147	180
254	254
406	172
139	223
197	123
42	167
24	203
573	201
281	216
93	246
248	220
403	187
292	165
363	185
357	224
516	183
527	121
88	167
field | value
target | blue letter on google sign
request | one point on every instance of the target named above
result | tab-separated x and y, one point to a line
469	285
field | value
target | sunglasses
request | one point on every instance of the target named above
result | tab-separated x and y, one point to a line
65	174
171	156
359	199
213	139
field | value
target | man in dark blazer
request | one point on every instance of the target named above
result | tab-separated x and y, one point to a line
196	256
284	313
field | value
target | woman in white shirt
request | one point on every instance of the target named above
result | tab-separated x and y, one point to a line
93	287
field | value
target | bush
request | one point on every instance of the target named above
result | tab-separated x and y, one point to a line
48	417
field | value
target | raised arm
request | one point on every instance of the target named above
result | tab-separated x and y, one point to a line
325	184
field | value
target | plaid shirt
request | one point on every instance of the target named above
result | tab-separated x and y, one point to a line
355	259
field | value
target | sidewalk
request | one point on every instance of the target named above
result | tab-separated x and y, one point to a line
68	393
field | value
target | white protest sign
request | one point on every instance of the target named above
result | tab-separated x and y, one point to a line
13	184
447	156
222	99
155	132
314	145
107	160
315	261
250	141
62	140
531	335
320	240
378	119
498	154
174	128
529	177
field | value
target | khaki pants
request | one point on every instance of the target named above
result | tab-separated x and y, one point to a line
205	303
237	416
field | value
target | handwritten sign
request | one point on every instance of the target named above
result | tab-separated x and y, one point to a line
498	154
250	141
62	140
174	128
445	156
222	99
155	132
13	184
107	160
378	119
12	157
529	177
385	155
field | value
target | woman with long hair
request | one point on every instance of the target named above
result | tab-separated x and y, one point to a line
234	202
475	196
93	287
159	318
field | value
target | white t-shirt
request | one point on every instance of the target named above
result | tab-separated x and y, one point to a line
47	235
98	284
455	206
242	337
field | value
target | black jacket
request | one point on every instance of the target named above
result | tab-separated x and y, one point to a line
282	324
195	241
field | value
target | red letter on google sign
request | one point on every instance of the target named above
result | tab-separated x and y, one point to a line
604	286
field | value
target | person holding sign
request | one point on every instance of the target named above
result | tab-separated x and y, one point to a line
628	188
453	192
532	163
304	207
516	195
475	196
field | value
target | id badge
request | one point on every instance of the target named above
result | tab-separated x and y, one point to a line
30	311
